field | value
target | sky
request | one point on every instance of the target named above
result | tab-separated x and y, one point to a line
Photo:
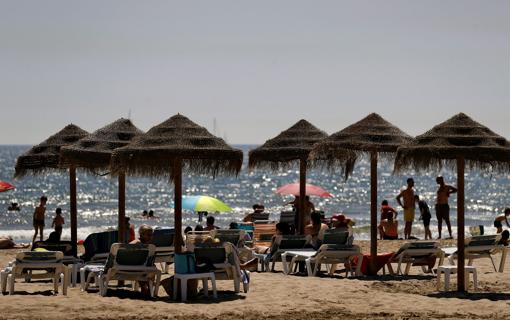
254	67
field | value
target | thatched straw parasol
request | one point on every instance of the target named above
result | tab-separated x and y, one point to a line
459	140
45	156
293	144
371	135
94	151
173	146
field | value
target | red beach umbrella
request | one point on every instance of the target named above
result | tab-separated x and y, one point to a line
5	186
310	190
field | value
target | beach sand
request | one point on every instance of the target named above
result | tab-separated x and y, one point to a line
277	296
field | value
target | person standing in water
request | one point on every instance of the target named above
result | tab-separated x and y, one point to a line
39	213
442	207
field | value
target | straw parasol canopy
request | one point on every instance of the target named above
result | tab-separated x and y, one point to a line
94	151
153	153
371	134
293	144
174	146
459	136
456	142
45	156
290	145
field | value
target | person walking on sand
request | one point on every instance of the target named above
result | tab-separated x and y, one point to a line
498	222
407	195
39	218
442	207
58	221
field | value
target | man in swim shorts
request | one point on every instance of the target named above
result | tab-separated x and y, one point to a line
442	207
408	204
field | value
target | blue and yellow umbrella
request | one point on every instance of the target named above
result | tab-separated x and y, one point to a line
204	203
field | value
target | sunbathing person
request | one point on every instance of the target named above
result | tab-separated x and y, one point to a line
315	230
8	243
385	227
145	234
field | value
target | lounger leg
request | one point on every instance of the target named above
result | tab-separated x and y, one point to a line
503	259
11	280
284	264
184	289
3	279
475	280
332	269
213	282
237	282
493	264
63	280
309	267
447	280
358	265
83	281
408	267
205	286
174	291
156	285
56	282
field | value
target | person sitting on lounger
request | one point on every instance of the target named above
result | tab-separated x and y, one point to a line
388	227
315	230
145	233
498	222
257	209
210	224
340	221
505	235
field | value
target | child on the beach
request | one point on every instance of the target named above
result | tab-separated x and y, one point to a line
425	216
498	222
58	221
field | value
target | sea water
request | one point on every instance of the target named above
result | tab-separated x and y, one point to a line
486	196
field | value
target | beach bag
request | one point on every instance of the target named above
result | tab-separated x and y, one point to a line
185	262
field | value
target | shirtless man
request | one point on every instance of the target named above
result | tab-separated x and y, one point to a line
408	205
39	218
442	207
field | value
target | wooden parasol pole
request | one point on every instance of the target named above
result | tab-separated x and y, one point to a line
302	195
73	209
373	210
177	174
122	207
460	224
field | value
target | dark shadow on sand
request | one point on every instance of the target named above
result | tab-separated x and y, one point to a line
200	298
492	296
37	293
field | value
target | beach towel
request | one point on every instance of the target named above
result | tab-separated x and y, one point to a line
381	260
